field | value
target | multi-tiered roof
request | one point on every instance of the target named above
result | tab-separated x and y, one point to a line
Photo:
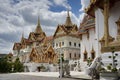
42	51
68	28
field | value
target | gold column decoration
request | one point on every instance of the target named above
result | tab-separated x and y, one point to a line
106	38
92	51
116	43
92	1
118	29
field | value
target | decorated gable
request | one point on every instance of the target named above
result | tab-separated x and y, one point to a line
59	31
74	30
31	36
34	56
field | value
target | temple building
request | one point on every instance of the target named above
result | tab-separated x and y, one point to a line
104	35
67	41
36	50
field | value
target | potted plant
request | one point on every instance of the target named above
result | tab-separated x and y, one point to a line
89	61
111	71
42	67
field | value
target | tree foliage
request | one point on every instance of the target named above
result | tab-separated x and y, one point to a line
18	66
7	66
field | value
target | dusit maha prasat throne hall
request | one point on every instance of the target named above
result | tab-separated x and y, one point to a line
39	50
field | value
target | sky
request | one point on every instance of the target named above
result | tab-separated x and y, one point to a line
20	16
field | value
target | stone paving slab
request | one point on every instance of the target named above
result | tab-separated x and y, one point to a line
56	74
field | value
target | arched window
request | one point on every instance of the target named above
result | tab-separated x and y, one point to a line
79	55
70	55
59	44
85	55
75	44
75	55
79	44
70	43
49	54
92	53
56	44
62	43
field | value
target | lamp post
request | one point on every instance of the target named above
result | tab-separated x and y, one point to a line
61	63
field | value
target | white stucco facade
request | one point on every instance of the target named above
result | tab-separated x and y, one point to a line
95	36
68	45
88	44
114	15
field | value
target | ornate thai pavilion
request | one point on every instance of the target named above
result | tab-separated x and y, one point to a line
37	49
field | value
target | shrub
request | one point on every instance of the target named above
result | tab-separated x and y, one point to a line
114	70
109	67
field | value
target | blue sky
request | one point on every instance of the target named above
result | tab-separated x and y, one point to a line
75	6
18	16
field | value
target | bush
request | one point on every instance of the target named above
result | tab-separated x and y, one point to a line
102	70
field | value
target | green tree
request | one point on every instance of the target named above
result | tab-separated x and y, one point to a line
18	66
5	66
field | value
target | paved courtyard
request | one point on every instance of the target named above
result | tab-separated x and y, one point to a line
30	77
56	74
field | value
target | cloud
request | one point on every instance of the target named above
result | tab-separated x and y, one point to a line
81	16
63	3
84	4
5	46
18	16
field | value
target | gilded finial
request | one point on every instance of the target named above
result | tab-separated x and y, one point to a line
38	20
22	36
68	15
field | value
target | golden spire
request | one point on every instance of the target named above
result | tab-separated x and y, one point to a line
68	22
38	28
22	37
